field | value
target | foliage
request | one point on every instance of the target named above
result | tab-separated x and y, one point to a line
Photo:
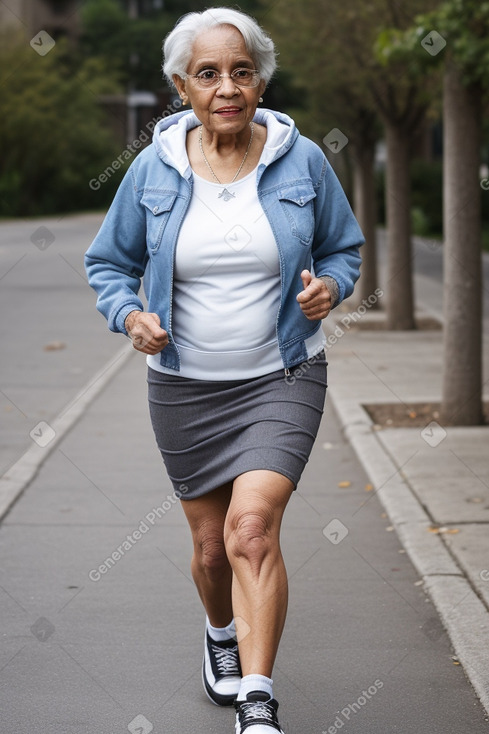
131	47
463	24
52	131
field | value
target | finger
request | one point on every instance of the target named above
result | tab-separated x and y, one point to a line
315	289
306	278
148	335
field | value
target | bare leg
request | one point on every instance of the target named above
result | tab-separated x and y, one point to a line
210	566
260	589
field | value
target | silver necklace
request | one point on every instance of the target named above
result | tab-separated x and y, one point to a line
225	193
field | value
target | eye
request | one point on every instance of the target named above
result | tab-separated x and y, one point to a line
208	75
242	74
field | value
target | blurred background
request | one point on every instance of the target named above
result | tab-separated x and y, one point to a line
395	94
358	67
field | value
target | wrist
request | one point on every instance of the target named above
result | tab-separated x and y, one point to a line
130	319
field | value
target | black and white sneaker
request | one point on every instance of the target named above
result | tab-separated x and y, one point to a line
257	715
221	670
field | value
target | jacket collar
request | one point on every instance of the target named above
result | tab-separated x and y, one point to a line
170	133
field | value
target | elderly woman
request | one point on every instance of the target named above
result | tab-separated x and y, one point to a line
246	241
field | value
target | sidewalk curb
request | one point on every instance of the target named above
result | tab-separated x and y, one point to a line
20	475
463	615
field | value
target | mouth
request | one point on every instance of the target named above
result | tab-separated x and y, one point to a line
228	111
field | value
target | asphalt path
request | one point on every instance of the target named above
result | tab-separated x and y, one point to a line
53	340
85	651
96	645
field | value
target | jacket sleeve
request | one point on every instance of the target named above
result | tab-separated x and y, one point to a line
337	237
116	260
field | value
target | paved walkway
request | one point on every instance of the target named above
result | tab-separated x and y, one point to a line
102	628
433	481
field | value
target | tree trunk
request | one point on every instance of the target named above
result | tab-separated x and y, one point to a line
462	376
400	302
366	213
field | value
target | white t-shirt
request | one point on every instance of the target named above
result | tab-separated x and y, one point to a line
226	290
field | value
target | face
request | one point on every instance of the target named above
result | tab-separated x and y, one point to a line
227	109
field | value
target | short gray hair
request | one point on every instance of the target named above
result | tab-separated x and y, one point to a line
177	47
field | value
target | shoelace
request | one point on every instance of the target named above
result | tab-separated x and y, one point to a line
226	659
258	710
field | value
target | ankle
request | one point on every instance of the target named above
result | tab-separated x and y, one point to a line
221	634
255	682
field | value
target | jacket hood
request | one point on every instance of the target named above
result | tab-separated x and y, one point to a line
169	137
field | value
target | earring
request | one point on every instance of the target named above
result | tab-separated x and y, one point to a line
184	99
261	99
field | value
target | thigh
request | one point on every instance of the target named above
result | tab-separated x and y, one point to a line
261	496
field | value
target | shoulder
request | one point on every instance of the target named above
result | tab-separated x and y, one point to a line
148	169
307	158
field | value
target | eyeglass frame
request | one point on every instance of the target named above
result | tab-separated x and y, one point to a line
255	73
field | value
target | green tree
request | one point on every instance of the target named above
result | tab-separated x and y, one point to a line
457	35
464	25
348	78
52	131
331	88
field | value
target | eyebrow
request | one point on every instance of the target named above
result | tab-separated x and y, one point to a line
240	64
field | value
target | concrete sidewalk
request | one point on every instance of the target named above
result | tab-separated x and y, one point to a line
432	481
103	630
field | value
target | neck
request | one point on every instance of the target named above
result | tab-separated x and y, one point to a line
225	144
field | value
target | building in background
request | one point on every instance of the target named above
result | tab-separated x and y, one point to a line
58	17
127	114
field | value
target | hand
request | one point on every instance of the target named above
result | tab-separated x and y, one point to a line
145	332
315	299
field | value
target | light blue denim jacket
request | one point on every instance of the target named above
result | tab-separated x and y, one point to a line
308	211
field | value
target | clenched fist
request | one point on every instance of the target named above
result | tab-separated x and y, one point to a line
145	332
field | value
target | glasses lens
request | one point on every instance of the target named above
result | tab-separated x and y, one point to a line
208	78
244	77
241	77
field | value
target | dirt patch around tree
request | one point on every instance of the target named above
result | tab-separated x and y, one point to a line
413	415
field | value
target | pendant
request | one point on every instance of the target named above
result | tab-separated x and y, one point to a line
226	195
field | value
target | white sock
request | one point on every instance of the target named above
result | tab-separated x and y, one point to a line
255	682
221	634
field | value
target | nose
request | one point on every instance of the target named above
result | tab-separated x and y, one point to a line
227	88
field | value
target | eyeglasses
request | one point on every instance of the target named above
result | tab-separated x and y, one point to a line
210	79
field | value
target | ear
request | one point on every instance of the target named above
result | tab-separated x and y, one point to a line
262	86
180	85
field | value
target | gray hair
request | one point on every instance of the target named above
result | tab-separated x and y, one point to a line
177	47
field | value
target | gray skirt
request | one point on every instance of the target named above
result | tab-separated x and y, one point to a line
210	432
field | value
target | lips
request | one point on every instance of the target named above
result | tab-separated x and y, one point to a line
228	110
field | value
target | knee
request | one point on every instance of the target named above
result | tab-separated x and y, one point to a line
210	552
248	536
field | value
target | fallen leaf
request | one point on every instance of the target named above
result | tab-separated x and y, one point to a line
412	414
53	346
344	484
369	487
443	530
390	528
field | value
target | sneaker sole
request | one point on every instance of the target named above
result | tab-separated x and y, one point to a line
216	698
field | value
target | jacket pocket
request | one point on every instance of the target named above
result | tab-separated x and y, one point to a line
158	206
297	201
